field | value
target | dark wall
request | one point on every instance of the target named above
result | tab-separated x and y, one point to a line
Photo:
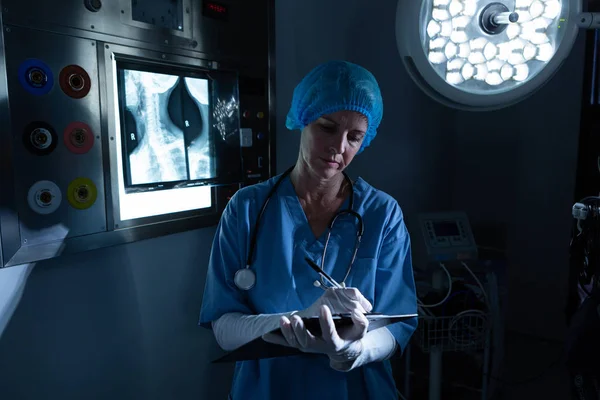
515	176
117	323
411	158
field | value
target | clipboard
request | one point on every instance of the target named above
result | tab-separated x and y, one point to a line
258	349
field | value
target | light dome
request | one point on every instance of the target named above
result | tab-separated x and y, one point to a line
484	54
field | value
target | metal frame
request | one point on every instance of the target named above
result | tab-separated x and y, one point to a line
434	336
272	95
588	160
108	56
9	238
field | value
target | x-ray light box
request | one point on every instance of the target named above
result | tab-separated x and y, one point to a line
176	136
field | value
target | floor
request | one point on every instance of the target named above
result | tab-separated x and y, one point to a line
532	368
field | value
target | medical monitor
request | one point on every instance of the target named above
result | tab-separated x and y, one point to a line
447	236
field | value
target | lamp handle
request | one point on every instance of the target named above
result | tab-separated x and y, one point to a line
589	20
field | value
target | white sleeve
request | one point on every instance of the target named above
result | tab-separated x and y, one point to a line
233	330
377	345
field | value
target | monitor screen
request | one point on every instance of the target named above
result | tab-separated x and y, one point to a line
165	124
446	228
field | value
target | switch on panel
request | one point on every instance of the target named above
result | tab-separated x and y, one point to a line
246	137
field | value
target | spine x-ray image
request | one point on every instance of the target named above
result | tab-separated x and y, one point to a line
166	128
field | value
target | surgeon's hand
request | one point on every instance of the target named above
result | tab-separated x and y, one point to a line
341	346
339	301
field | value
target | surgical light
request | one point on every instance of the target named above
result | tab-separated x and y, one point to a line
486	54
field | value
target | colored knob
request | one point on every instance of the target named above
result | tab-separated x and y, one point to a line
76	82
46	197
37	77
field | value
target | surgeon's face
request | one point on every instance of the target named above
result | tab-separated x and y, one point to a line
329	144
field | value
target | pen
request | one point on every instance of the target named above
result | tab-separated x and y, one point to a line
324	274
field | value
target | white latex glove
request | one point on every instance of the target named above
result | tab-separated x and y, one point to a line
341	346
339	301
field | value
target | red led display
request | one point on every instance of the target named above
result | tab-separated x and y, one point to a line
217	8
214	10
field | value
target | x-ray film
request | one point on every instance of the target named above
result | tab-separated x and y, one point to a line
167	139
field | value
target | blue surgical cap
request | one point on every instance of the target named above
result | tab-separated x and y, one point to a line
337	86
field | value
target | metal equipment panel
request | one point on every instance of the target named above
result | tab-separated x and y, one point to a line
72	119
110	53
215	33
59	94
108	17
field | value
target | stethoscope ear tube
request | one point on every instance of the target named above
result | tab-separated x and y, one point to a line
260	216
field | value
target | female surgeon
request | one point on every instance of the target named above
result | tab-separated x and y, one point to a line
259	279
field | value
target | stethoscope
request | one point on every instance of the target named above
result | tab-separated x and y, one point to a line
245	278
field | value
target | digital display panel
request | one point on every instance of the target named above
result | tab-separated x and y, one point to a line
446	229
214	10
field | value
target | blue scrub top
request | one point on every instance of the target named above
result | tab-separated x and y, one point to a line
382	271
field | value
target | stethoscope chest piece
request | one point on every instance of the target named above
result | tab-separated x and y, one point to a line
244	279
